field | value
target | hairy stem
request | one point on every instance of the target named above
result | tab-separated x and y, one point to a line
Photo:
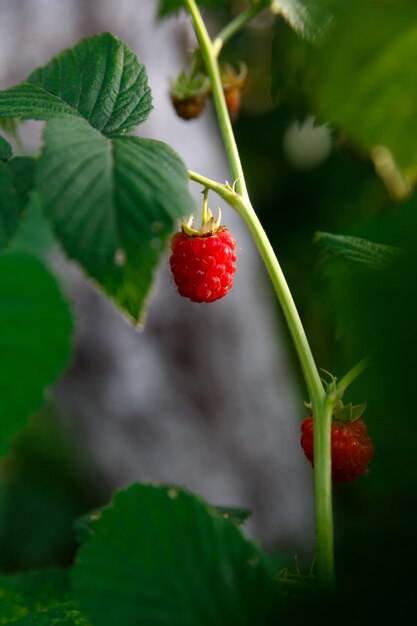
241	202
223	190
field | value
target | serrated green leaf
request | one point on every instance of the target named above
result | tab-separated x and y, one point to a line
372	255
83	526
5	149
236	516
309	18
173	6
161	556
23	594
16	181
66	614
99	79
35	333
112	204
366	81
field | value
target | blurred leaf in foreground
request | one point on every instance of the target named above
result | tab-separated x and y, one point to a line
366	83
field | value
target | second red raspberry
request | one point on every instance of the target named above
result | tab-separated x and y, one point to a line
203	267
351	448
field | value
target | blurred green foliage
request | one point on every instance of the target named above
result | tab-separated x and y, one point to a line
22	594
43	489
33	314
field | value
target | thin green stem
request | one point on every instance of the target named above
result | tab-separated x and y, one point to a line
323	496
352	375
223	190
213	72
204	217
237	24
241	202
322	408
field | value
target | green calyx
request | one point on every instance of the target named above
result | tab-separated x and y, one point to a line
334	393
189	87
349	412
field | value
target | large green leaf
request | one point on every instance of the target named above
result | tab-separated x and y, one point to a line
356	250
161	556
99	79
83	526
112	204
172	6
23	594
16	180
366	80
66	614
35	333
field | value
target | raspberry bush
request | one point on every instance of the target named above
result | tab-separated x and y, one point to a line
114	200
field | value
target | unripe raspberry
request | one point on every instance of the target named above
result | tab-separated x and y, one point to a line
203	267
233	85
188	108
189	94
351	448
233	99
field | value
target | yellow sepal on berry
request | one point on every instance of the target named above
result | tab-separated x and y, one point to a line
234	84
209	226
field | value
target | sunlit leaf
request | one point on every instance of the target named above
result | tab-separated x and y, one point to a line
309	18
99	79
366	81
112	203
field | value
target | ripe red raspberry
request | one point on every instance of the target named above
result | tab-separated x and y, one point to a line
351	448
203	267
